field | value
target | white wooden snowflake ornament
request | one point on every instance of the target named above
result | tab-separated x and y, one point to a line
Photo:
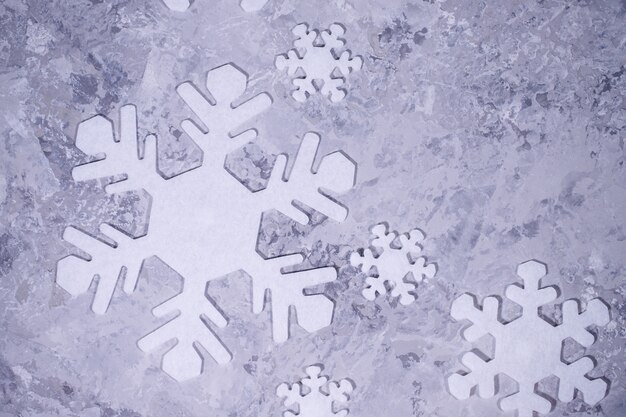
199	235
315	396
246	5
319	60
393	261
528	349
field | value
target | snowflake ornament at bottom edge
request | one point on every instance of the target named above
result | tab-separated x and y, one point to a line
319	397
529	348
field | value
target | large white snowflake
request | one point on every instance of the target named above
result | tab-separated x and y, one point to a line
204	222
318	60
315	396
393	261
528	349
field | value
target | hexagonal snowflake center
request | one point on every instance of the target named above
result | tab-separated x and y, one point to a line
319	63
527	350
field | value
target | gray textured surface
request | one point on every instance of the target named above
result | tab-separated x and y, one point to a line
498	128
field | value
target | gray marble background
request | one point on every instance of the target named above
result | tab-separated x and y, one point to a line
496	127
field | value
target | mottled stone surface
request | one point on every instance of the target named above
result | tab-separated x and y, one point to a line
496	127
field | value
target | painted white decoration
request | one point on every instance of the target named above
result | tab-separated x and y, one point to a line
319	398
528	349
393	260
246	5
204	222
318	59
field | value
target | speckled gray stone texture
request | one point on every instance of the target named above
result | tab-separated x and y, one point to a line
496	127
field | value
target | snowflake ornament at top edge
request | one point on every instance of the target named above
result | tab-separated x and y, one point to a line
529	348
395	258
189	228
246	5
320	397
318	62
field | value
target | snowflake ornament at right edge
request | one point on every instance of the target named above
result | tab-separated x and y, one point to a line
319	60
529	348
319	398
391	259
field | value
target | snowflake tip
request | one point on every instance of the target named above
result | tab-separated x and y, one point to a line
340	390
463	307
91	133
314	371
300	30
531	272
337	29
291	393
380	230
598	311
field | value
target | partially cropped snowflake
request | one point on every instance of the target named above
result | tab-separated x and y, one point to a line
315	396
246	5
204	223
393	261
318	61
528	349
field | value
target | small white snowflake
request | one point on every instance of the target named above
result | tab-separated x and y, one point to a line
528	349
319	61
318	398
392	259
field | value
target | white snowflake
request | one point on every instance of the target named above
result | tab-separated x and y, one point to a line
528	349
246	5
319	60
204	223
390	261
314	396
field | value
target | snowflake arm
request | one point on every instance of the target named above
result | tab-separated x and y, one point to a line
290	61
484	320
526	402
482	375
225	84
189	327
332	36
313	62
417	264
336	174
531	296
314	311
347	64
572	377
290	392
108	262
575	323
119	160
252	5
